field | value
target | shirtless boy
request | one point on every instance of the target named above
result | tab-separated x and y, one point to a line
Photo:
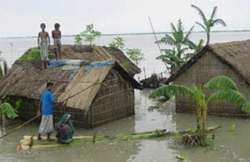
43	42
56	34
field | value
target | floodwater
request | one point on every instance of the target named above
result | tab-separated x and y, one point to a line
229	146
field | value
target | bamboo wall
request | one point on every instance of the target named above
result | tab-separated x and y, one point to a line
115	100
203	70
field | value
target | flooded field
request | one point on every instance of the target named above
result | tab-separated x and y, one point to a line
229	146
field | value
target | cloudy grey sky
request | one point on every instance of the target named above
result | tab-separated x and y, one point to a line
22	17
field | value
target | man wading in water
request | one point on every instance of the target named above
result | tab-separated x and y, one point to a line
43	42
46	109
56	34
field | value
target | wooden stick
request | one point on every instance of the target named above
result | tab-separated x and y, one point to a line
20	126
154	33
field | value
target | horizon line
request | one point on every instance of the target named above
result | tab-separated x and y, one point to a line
133	33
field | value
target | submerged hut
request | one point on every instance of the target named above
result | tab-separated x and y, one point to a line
94	86
230	59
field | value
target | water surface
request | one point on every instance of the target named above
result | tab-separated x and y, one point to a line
228	147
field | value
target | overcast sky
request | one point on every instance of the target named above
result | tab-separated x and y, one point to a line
22	17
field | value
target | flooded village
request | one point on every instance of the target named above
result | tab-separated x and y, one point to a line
178	95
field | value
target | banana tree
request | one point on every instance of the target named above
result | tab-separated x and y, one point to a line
208	22
171	59
179	43
220	88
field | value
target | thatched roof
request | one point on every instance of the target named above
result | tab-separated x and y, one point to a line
99	53
78	87
235	54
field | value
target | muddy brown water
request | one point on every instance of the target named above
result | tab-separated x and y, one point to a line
229	146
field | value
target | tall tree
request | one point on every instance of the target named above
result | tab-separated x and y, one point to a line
223	88
209	22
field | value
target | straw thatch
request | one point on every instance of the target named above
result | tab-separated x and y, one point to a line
92	95
96	53
230	59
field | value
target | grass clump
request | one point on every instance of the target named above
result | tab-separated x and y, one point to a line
31	54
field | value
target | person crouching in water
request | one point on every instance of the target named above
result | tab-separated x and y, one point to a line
65	129
43	42
46	109
56	34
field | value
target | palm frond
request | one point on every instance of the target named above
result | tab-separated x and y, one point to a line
220	22
173	28
221	82
202	26
246	107
214	13
200	44
230	96
190	44
182	51
204	19
186	38
167	39
172	90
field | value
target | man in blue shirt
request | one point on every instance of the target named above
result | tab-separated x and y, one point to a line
46	109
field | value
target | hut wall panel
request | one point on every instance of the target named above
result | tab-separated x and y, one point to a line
30	107
203	70
115	100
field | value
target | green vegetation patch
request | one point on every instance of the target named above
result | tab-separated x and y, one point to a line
31	54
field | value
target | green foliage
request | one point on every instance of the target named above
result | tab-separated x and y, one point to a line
181	47
135	54
7	109
90	34
32	54
118	42
223	88
195	47
78	39
16	102
208	22
231	96
171	91
221	82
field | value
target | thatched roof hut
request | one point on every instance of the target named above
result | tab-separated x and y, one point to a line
93	89
231	59
87	53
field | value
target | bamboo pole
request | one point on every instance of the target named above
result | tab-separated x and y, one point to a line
154	33
20	126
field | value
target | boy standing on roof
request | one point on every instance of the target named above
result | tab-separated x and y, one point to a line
46	109
56	34
43	42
